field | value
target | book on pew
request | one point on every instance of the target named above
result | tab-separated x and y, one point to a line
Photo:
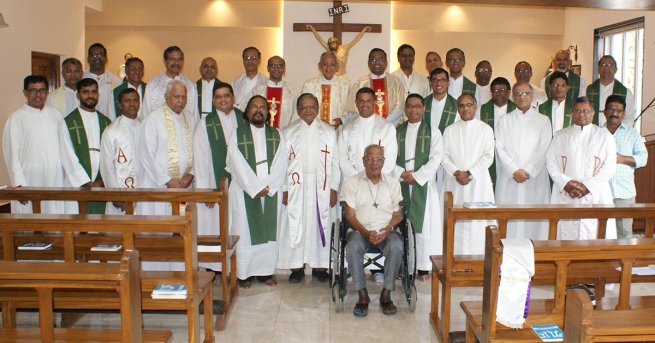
479	204
107	247
209	247
35	246
549	332
169	292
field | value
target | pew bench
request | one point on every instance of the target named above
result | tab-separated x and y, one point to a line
177	198
43	277
450	270
70	235
481	316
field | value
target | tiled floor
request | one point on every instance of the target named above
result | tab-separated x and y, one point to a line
304	313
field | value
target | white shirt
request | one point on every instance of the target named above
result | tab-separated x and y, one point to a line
557	116
207	95
362	195
414	83
436	111
630	111
484	92
76	176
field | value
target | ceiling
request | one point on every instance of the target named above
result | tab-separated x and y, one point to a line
603	4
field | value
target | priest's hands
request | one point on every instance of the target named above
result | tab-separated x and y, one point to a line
462	177
520	176
576	189
263	193
333	197
98	183
377	237
336	123
285	198
407	177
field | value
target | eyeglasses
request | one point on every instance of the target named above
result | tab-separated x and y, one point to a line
558	85
453	60
613	110
377	59
467	105
499	90
439	80
606	65
248	58
413	107
374	159
173	59
278	66
34	91
72	71
97	55
581	111
483	70
305	108
523	71
521	94
135	68
255	108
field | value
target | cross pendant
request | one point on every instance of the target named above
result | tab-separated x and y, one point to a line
375	204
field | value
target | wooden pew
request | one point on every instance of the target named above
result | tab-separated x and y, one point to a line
176	197
449	270
481	316
122	278
71	244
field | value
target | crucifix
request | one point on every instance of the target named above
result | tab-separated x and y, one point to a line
337	27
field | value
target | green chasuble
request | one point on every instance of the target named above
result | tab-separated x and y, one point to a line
117	91
547	109
593	93
81	146
199	89
262	223
449	111
416	202
218	145
574	86
487	116
468	87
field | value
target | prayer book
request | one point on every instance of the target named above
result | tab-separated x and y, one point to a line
169	292
479	204
549	332
35	246
107	247
209	247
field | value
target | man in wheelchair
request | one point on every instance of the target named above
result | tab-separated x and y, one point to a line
373	212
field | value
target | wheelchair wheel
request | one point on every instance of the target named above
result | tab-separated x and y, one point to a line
335	266
333	254
412	298
409	275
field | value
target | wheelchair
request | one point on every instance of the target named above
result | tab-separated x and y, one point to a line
373	259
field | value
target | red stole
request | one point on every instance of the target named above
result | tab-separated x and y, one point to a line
326	91
274	99
380	88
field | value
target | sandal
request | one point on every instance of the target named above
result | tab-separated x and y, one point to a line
388	308
360	310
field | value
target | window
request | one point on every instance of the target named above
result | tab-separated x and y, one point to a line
625	42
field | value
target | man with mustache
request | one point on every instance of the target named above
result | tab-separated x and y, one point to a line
205	85
79	141
607	85
257	161
174	62
134	70
630	154
64	98
562	63
558	107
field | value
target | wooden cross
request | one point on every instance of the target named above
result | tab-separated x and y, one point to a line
77	131
337	27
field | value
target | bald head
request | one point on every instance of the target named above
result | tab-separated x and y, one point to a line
562	61
208	69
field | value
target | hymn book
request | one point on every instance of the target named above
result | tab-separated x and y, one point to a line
35	246
169	292
107	247
479	204
549	332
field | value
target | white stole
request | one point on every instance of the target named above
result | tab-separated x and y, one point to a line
516	272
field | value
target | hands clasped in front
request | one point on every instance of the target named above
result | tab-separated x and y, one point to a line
576	189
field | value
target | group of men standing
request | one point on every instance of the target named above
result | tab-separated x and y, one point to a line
287	156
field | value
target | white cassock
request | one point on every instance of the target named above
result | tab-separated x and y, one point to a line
313	171
360	133
156	88
395	97
586	154
414	83
430	240
30	143
209	218
106	84
242	85
64	99
456	85
75	175
119	163
339	89
469	145
260	259
484	92
521	143
289	97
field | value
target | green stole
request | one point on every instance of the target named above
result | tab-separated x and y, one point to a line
574	86
593	93
262	224
468	86
487	116
81	146
416	202
547	109
199	89
449	111
117	91
218	145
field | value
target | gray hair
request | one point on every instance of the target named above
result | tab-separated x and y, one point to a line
523	83
170	84
373	146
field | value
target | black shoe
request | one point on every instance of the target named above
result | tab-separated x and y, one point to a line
321	274
218	307
296	276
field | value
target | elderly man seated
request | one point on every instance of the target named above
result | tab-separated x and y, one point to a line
373	211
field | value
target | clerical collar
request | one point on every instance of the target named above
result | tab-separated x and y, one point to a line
559	102
454	78
607	85
326	81
371	118
255	128
413	125
86	112
33	109
223	113
70	90
501	107
271	83
208	82
578	128
375	77
96	75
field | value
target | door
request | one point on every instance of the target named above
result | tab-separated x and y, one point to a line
48	66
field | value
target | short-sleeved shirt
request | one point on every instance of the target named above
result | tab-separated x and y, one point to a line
628	143
361	194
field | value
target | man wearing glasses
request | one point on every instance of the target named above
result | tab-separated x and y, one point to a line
459	84
581	161
607	85
245	82
64	98
97	58
558	108
523	73
440	107
30	144
468	153
134	71
280	96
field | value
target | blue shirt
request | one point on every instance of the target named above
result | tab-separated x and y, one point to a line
628	143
